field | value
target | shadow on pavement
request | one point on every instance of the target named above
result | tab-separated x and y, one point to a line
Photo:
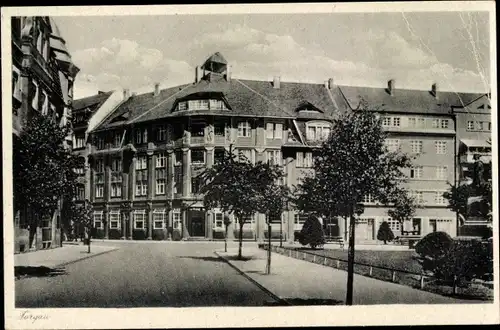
304	302
40	271
217	259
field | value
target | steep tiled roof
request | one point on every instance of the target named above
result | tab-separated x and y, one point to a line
93	101
244	98
405	100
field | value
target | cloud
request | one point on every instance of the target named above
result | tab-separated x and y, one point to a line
120	63
255	54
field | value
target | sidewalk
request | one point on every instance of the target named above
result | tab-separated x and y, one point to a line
59	257
297	279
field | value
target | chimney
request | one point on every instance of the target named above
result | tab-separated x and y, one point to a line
100	92
157	89
391	86
276	82
198	74
126	93
434	90
330	83
326	84
228	73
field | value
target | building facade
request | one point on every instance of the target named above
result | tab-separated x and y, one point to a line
42	81
146	155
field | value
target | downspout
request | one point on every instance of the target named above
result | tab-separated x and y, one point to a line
455	164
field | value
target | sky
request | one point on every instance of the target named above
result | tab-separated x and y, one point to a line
358	49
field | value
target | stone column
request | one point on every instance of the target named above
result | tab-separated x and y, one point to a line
125	175
149	210
132	179
291	227
185	231
88	174
170	174
123	220
106	221
186	172
210	156
209	216
151	174
131	222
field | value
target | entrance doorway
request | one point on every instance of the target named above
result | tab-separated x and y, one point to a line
331	227
196	223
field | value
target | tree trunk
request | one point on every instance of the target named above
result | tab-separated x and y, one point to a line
240	238
225	240
385	242
268	248
350	261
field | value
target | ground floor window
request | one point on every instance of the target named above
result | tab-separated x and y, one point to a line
98	219
176	219
139	219
159	218
275	218
114	219
218	220
394	225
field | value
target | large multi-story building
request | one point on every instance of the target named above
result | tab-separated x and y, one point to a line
42	81
147	152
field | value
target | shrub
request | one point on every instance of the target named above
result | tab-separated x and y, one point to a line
434	245
115	234
139	234
463	262
312	233
176	235
385	233
159	234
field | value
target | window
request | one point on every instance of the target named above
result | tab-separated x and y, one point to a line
116	165
274	157
441	172
99	190
219	128
161	160
421	122
418	196
116	189
274	131
182	106
99	178
217	105
244	129
392	145
198	105
218	155
317	131
440	147
116	139
161	133
439	198
416	172
99	142
444	123
245	154
394	225
304	159
435	123
141	163
176	219
299	218
79	141
198	129
98	219
489	126
412	122
196	183
114	219
396	121
160	186
218	220
141	188
159	216
416	146
274	218
480	125
470	125
139	219
386	121
197	156
99	165
368	199
80	192
141	135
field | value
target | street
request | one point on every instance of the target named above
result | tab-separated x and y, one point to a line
144	274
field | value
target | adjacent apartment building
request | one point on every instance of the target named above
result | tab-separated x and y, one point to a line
145	154
42	81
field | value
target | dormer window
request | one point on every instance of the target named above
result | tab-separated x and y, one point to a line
202	101
318	131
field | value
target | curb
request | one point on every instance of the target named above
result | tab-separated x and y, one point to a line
260	286
84	258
